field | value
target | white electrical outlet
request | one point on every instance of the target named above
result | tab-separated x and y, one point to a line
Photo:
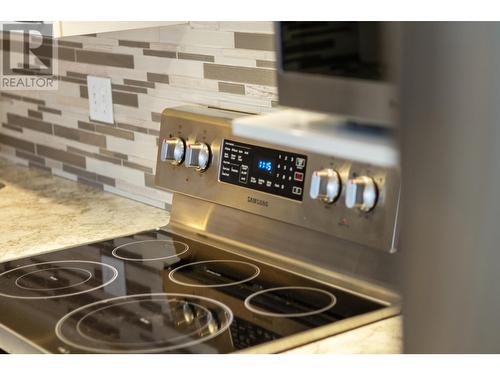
100	99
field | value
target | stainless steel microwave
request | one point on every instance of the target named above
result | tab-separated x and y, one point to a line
346	68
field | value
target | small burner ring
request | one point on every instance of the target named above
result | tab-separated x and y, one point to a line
170	242
256	310
88	273
255	269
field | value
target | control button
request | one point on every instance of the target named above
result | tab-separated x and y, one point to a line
261	181
298	176
325	185
198	156
269	183
300	163
173	150
297	190
253	180
361	193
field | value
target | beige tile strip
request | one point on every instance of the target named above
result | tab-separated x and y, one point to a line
105	58
232	88
156	77
256	76
263	42
17	143
265	64
80	136
30	123
61	155
195	56
160	53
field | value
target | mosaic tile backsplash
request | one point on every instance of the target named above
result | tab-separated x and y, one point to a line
228	65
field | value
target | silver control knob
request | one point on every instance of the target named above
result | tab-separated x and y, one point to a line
361	193
325	185
172	150
198	156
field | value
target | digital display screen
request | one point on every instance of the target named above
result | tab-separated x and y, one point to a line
265	165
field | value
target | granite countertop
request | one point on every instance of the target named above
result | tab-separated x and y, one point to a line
40	212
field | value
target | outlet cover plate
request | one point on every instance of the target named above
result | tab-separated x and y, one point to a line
100	99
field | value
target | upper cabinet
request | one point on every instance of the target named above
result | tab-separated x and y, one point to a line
69	28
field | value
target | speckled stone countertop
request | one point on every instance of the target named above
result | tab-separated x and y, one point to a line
39	212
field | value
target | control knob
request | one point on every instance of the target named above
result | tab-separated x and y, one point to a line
172	150
198	156
325	185
361	193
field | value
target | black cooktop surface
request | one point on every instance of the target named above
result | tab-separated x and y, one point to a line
156	292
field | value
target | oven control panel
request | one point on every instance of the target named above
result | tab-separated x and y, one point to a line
200	157
264	169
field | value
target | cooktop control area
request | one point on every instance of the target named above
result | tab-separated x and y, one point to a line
157	292
264	169
200	157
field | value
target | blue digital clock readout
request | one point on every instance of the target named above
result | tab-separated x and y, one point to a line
265	165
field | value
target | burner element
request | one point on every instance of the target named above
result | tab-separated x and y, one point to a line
53	278
149	250
144	323
56	279
290	301
214	273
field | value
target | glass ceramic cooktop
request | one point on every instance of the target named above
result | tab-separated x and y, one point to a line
155	292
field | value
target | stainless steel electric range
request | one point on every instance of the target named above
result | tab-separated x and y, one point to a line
267	249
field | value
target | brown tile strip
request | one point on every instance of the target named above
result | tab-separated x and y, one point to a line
154	132
133	43
61	155
265	64
114	154
12	96
94	155
131	127
69	43
159	53
256	76
105	58
35	114
149	180
17	143
195	56
137	166
76	75
49	110
106	180
155	116
107	129
119	97
30	123
232	88
89	175
115	132
160	78
30	156
11	127
134	82
262	42
67	54
31	100
140	90
73	80
80	136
